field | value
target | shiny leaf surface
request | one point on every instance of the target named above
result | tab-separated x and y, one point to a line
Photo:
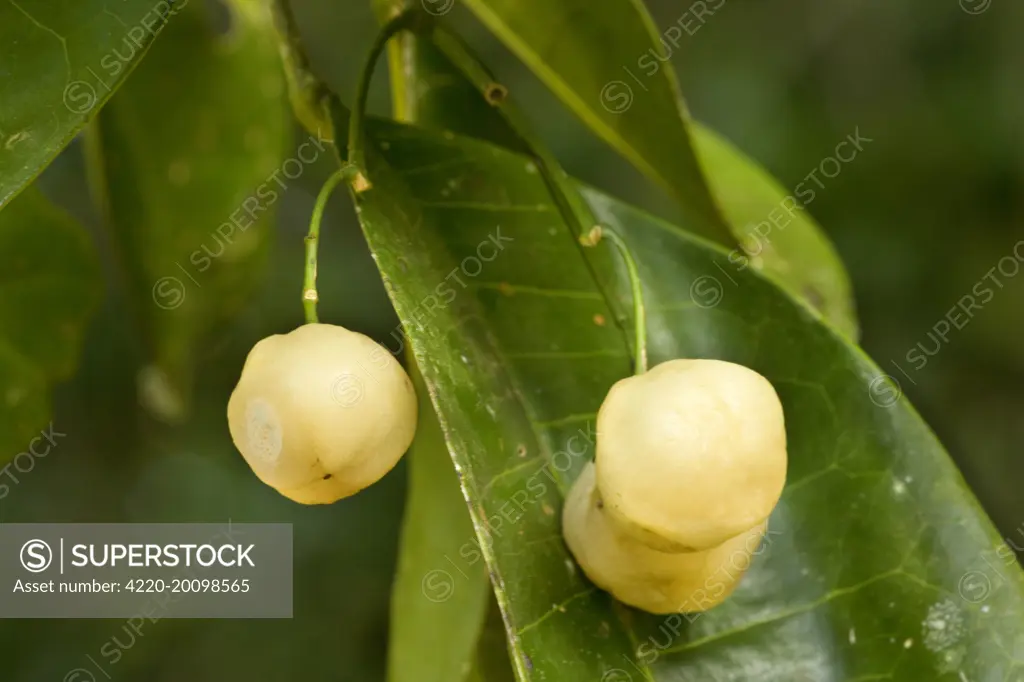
605	61
777	235
591	55
879	563
61	60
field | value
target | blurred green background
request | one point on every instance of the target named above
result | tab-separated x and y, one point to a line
919	217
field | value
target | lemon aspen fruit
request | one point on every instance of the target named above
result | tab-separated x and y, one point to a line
691	453
644	577
321	412
691	461
691	456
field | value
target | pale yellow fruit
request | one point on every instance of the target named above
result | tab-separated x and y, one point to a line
691	453
649	579
321	413
691	460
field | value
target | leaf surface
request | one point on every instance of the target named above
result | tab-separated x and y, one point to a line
604	60
49	287
879	562
777	235
589	54
187	159
492	663
438	626
440	595
62	59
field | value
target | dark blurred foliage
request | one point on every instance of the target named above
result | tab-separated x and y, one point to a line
921	216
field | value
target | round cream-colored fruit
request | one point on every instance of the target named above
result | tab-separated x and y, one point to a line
649	579
691	454
321	413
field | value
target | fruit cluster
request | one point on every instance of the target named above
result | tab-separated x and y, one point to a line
691	460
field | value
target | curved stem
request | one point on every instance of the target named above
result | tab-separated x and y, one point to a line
353	170
309	293
571	206
573	209
639	310
356	155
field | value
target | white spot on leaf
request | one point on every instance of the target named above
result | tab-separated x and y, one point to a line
943	626
15	139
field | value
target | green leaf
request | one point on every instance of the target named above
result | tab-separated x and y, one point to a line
187	159
492	663
438	607
590	55
428	90
608	70
62	61
777	234
877	552
49	288
440	595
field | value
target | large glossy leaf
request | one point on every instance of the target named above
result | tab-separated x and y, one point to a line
60	60
440	595
187	159
438	608
49	287
604	60
879	565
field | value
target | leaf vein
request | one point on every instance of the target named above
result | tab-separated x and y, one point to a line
557	608
511	289
786	613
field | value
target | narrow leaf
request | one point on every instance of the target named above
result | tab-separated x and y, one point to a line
776	233
61	62
426	89
440	595
604	61
610	69
492	663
